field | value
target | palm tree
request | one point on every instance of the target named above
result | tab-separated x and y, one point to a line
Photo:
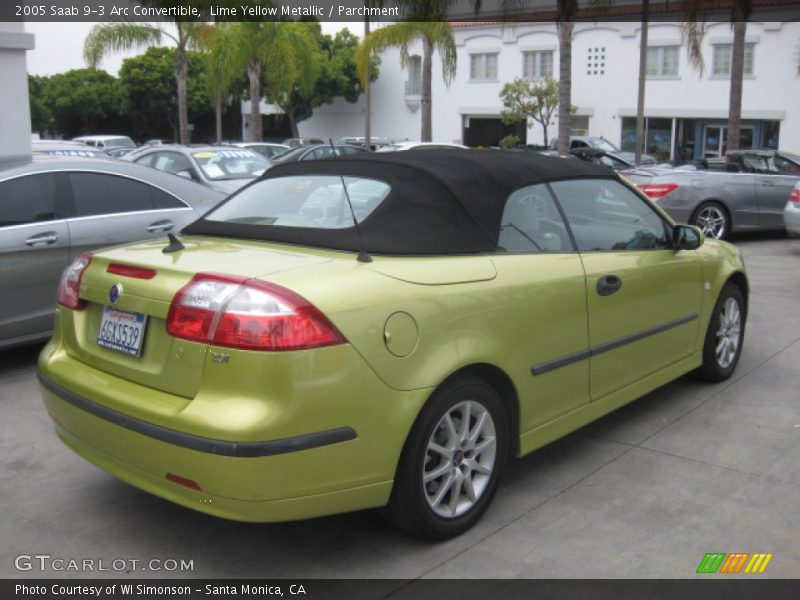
116	37
285	52
434	35
693	34
219	45
567	11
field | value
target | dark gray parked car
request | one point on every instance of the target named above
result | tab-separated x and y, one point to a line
746	191
55	208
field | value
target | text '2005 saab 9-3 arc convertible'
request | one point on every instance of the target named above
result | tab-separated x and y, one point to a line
382	331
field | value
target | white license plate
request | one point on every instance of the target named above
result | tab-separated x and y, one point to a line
121	331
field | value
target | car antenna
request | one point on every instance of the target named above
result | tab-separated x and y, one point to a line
362	253
174	244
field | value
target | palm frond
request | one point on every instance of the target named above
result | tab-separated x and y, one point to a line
117	37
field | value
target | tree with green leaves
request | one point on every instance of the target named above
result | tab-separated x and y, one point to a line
83	101
218	43
41	116
115	37
147	83
525	99
434	36
337	77
278	56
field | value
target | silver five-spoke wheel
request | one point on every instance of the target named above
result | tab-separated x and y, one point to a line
729	332
459	459
712	219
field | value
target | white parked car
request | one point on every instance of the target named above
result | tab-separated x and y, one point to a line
791	214
399	146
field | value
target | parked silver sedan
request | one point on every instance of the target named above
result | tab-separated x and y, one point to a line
55	208
222	168
747	192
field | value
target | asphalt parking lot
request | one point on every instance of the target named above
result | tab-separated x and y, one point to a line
642	493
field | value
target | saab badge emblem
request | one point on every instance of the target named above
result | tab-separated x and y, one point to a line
114	293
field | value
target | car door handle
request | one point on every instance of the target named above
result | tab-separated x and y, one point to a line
608	284
767	183
160	226
42	239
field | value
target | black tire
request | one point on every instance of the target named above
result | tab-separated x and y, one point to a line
713	220
719	365
411	505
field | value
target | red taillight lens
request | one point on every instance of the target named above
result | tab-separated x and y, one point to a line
658	190
247	313
70	285
129	271
795	195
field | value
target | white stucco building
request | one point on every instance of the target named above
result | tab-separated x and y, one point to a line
686	111
15	120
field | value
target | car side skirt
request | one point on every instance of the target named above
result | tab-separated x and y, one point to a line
549	432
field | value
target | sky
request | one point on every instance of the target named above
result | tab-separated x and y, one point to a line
59	46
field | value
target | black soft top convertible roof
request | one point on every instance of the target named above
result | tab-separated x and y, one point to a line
441	201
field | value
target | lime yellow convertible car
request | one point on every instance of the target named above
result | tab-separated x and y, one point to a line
382	331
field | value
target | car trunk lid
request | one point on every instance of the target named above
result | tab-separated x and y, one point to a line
164	363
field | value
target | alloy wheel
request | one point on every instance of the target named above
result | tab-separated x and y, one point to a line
729	332
459	459
713	221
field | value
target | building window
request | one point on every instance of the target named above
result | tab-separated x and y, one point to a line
723	56
537	64
662	61
414	82
579	124
483	67
596	61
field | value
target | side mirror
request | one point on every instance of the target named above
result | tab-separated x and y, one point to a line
186	174
687	237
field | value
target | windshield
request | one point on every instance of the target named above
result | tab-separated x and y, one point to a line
120	142
219	165
315	201
604	145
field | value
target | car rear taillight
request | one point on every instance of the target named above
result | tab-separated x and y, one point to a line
795	195
658	190
70	285
248	313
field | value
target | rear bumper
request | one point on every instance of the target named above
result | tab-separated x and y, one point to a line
196	442
257	511
295	456
791	218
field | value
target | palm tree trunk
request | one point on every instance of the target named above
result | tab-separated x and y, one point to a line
737	71
183	108
426	134
565	29
639	150
254	73
218	116
368	93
